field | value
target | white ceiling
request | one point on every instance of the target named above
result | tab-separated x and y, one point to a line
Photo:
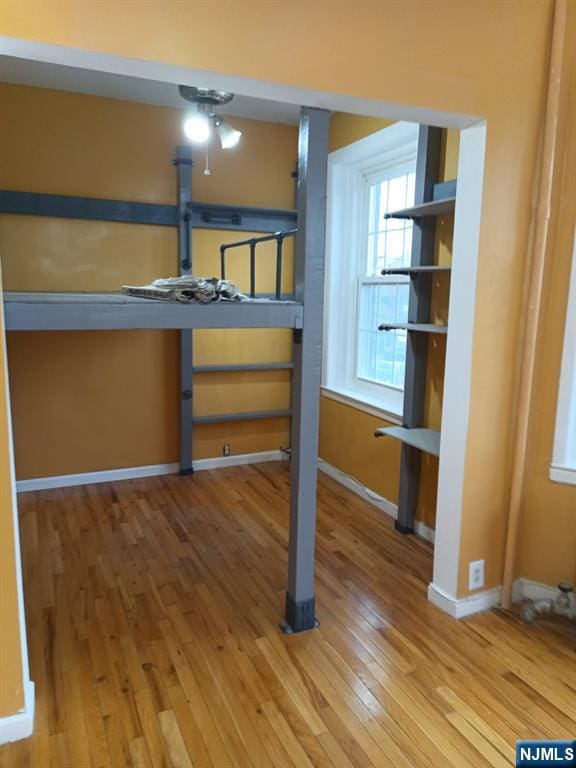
63	78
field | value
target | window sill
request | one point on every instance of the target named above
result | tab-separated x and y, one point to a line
365	405
562	474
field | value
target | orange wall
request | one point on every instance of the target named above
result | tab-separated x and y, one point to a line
110	400
11	690
493	62
548	535
347	433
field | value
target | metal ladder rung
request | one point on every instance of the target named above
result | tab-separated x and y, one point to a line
244	416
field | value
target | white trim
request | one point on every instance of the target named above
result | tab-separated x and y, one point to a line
150	470
565	475
525	589
458	373
464	606
353	402
25	719
346	249
245	86
20	725
563	467
384	505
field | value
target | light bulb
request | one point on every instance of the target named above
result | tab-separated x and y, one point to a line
229	136
197	128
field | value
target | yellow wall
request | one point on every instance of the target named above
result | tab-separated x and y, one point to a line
11	690
110	399
346	433
346	129
493	62
548	534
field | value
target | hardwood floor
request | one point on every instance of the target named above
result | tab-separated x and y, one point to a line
152	618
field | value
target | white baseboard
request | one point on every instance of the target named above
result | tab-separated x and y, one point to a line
524	589
384	505
20	725
150	470
459	608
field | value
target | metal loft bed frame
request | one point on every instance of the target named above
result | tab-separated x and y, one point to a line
302	313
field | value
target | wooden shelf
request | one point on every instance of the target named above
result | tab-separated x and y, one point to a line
415	270
411	327
425	439
433	208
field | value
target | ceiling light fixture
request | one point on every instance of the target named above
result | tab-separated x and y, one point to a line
198	125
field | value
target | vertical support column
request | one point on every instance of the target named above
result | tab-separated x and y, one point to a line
184	164
307	358
427	171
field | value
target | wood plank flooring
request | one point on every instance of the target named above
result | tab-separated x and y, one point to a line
153	608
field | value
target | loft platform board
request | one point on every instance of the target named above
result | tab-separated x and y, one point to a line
425	439
433	208
115	311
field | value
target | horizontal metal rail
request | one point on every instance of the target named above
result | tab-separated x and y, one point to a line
414	327
242	367
202	215
252	242
244	416
415	270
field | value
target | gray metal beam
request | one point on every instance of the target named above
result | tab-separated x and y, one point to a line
183	163
203	215
307	358
94	209
427	168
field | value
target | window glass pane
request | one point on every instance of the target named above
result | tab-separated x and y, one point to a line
382	354
397	193
389	240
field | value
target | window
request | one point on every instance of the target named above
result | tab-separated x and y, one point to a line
367	180
381	356
563	467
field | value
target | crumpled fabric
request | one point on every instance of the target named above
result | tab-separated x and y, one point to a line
187	289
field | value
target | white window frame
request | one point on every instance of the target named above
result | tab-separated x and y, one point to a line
386	153
563	466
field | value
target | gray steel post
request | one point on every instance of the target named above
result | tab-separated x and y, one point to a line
427	167
183	163
307	359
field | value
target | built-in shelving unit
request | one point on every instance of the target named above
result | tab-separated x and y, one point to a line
427	440
432	199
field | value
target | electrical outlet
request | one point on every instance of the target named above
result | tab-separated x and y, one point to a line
476	574
226	449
